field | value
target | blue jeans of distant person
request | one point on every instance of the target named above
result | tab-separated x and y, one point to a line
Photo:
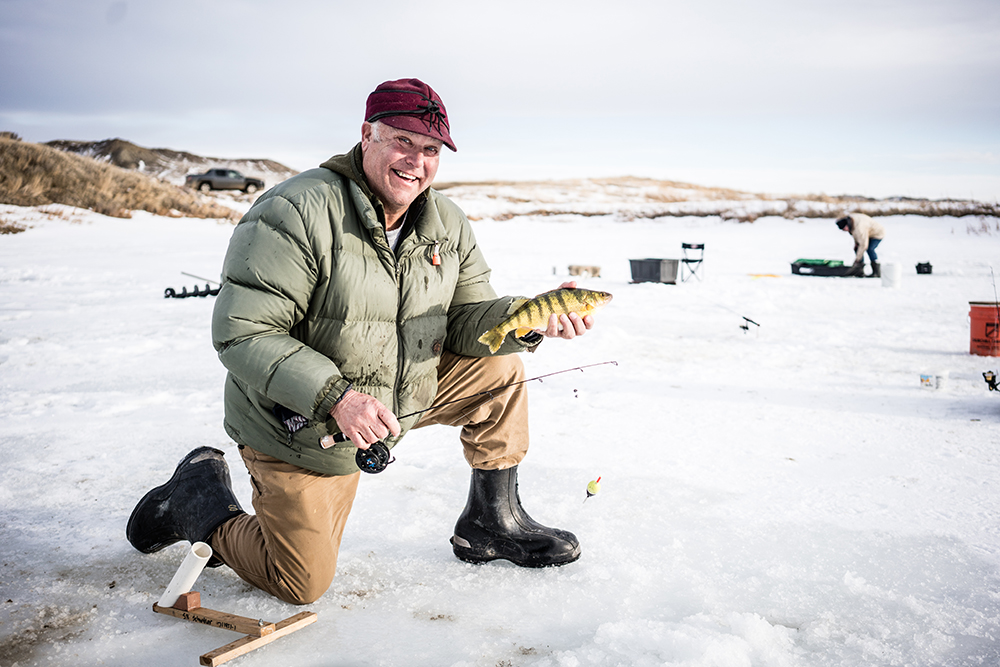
872	244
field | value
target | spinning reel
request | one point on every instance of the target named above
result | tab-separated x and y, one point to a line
374	459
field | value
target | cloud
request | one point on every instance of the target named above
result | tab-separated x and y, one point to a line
960	157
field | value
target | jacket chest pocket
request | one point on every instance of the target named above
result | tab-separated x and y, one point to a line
428	273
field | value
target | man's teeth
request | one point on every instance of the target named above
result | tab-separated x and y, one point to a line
404	176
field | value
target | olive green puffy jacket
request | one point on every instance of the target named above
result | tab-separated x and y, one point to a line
314	301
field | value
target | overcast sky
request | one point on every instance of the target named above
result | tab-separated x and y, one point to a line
876	97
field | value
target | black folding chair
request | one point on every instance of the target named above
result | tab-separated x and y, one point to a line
694	255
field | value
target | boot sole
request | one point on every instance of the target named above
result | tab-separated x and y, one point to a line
158	494
468	555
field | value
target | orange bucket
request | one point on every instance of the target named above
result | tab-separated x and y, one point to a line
984	336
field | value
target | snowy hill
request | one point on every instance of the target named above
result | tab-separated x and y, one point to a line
170	165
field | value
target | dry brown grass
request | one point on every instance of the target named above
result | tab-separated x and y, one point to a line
11	227
984	228
36	175
670	191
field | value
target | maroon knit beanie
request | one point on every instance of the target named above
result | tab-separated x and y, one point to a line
412	105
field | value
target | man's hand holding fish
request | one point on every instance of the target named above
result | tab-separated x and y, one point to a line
567	325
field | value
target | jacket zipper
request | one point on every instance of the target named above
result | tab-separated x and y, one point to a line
435	261
399	338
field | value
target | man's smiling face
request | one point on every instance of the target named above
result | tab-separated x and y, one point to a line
399	165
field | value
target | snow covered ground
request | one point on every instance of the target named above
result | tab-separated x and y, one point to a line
786	496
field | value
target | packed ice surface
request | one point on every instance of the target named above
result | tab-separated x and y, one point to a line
788	495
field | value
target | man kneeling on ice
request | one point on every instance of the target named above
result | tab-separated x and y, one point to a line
353	293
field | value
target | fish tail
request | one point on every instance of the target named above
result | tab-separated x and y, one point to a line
493	338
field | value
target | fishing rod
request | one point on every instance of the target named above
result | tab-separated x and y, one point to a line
746	320
377	457
185	273
746	323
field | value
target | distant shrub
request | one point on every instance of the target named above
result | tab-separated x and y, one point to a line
36	175
10	227
632	198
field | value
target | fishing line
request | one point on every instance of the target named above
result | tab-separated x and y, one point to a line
184	273
746	320
377	457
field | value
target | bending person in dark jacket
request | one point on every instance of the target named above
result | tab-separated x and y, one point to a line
351	294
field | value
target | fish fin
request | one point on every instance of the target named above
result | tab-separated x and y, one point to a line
493	338
522	331
515	305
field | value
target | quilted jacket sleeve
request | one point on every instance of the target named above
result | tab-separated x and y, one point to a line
268	275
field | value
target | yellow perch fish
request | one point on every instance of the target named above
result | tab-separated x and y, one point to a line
534	313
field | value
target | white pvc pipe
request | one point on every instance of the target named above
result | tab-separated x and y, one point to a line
186	574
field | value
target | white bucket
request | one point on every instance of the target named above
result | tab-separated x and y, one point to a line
892	275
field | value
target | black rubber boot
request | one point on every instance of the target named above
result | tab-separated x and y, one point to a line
494	525
857	270
876	270
196	500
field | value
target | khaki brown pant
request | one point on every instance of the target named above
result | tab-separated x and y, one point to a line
289	549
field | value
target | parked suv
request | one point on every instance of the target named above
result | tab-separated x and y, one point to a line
223	179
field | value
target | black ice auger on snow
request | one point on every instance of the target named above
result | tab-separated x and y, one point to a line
171	293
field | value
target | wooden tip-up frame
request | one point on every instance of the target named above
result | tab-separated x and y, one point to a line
257	632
